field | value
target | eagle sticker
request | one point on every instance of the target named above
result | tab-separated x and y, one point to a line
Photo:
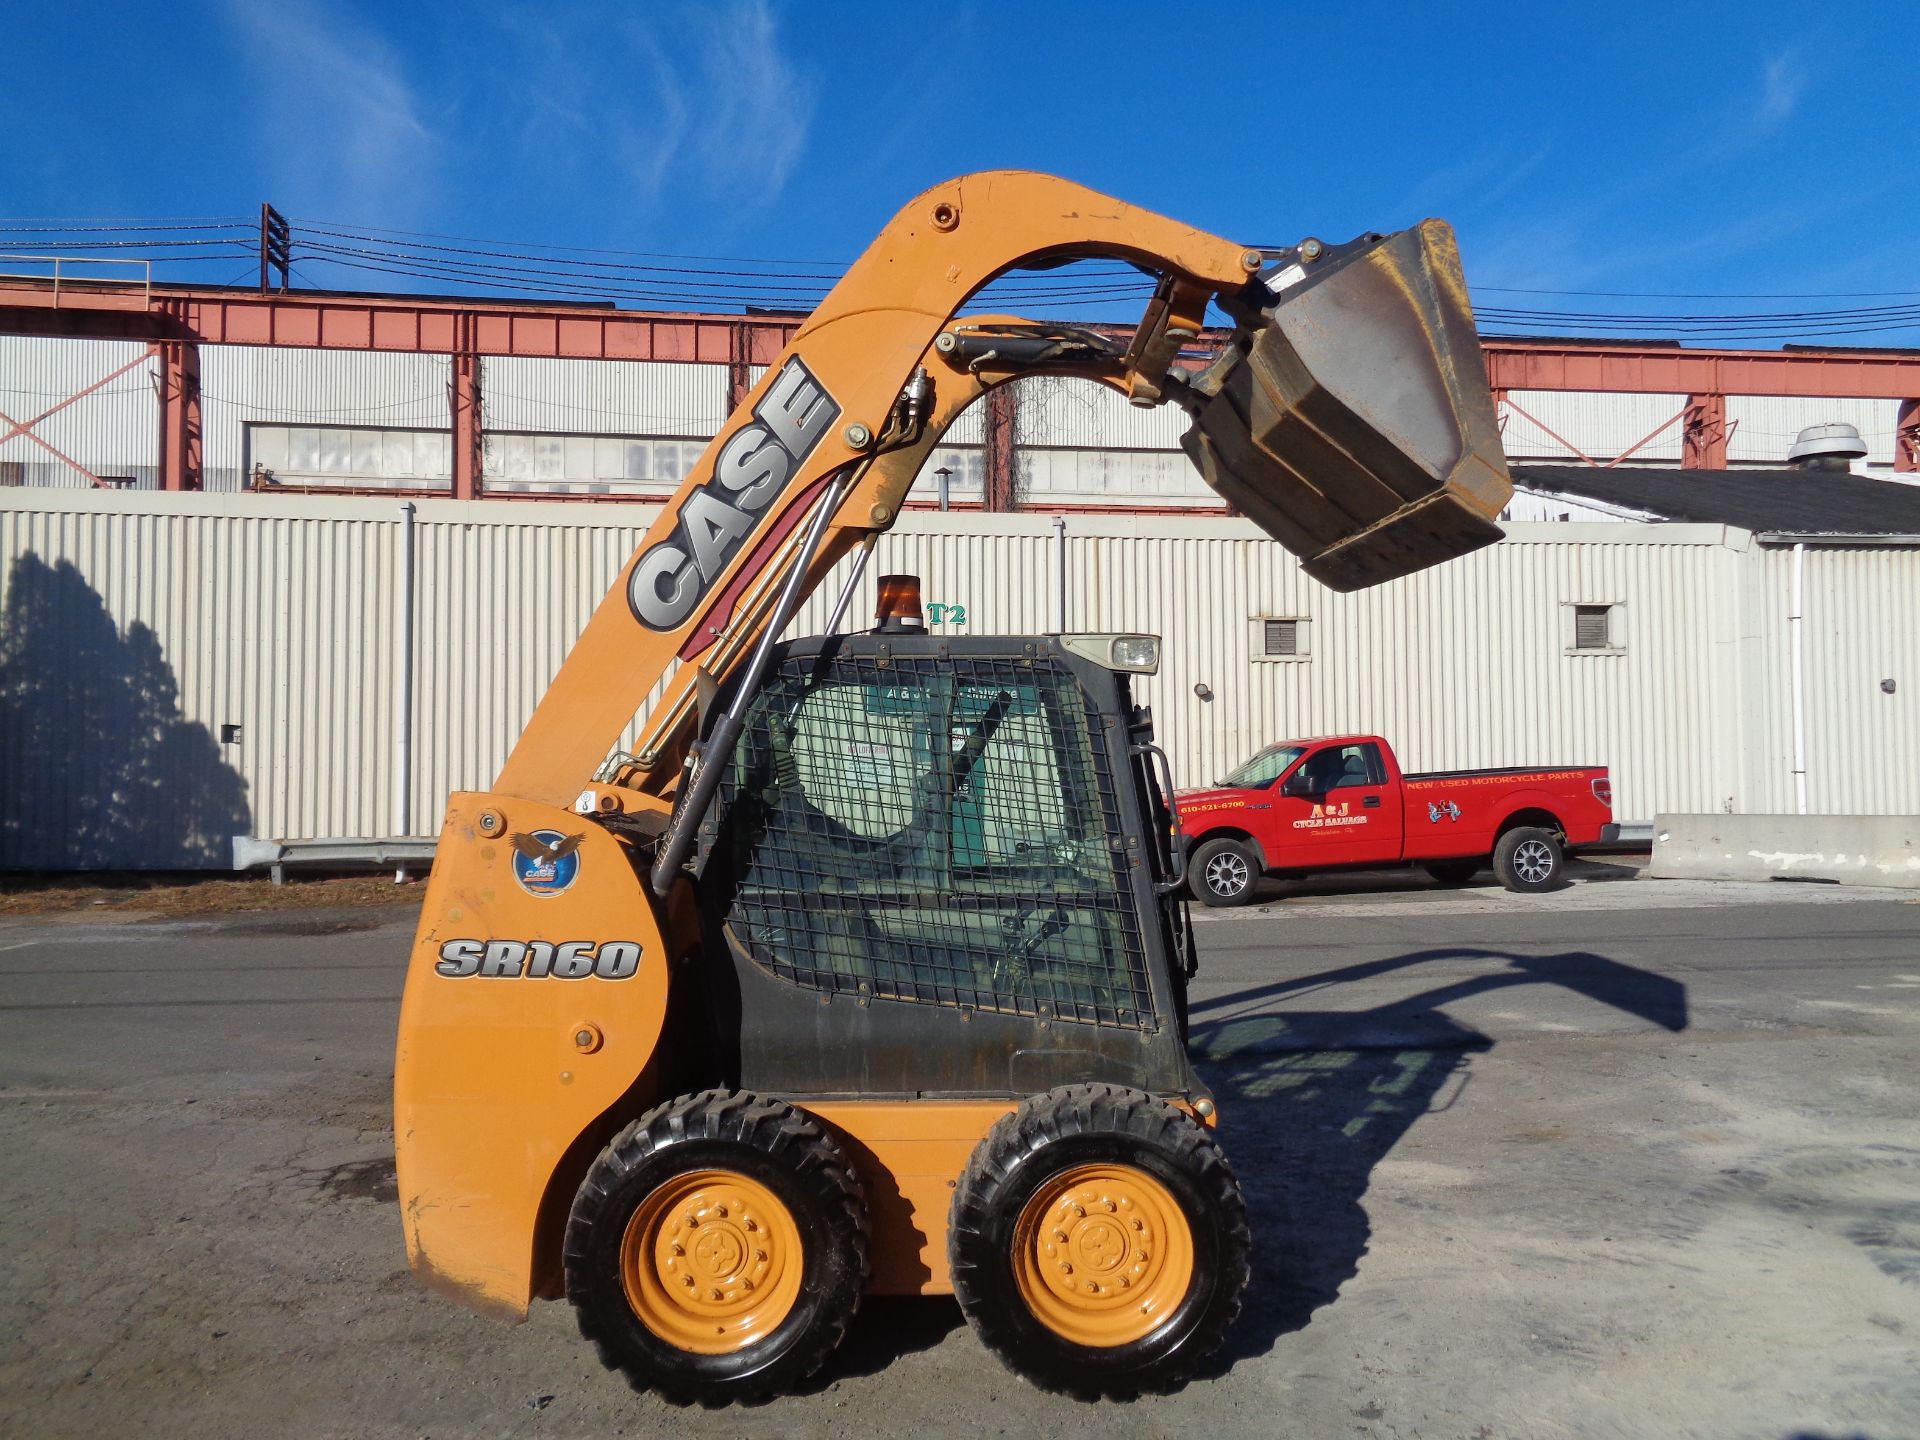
545	862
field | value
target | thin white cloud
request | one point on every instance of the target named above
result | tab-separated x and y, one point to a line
1780	92
724	112
340	128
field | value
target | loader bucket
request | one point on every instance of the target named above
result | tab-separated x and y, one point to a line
1355	425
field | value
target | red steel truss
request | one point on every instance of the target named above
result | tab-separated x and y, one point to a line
176	321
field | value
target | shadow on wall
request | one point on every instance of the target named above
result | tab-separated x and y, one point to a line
102	770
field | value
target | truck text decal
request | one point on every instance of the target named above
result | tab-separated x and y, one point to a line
670	578
538	959
1331	814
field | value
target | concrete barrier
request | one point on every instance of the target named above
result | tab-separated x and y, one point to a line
1850	849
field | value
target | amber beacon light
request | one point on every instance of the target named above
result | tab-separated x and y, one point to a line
899	607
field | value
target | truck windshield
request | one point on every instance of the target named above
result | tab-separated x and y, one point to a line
1265	767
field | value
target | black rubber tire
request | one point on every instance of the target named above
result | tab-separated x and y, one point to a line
1228	852
1529	860
1453	872
790	1153
1097	1124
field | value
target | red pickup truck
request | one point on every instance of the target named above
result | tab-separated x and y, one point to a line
1341	802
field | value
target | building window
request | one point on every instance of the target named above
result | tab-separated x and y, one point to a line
1593	629
635	466
343	457
1279	637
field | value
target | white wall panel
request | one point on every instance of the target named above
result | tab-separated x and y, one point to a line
1764	426
1599	424
113	431
133	626
602	397
367	389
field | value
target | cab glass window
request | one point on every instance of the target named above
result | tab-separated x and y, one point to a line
934	832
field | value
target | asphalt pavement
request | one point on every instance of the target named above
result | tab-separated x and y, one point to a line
1640	1158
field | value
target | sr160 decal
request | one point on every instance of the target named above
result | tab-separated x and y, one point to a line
538	959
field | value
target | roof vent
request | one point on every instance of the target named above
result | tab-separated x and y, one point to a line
1826	447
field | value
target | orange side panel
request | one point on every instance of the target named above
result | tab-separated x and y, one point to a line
910	1154
527	1015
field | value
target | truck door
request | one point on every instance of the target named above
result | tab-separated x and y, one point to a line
1336	809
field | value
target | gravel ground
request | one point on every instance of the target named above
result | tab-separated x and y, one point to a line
1635	1159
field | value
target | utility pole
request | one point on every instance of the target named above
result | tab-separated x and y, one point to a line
276	246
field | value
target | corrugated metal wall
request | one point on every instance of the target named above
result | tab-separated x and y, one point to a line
134	626
240	384
1862	626
113	431
602	397
1600	424
1764	426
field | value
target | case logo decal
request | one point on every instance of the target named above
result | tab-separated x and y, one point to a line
546	862
716	519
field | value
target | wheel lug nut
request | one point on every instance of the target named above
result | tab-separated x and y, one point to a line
1093	1287
676	1249
1126	1282
1060	1236
721	1211
687	1280
746	1284
752	1224
1079	1212
718	1293
1108	1206
1066	1268
761	1256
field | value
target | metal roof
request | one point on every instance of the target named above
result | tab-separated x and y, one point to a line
1810	502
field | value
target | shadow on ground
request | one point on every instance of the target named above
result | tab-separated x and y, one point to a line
1581	870
1314	1099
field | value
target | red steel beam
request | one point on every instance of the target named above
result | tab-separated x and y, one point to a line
424	324
463	405
1652	369
180	447
179	318
1001	429
417	324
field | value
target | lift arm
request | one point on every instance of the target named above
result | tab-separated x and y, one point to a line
1349	417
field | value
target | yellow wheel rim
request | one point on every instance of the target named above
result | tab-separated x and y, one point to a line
711	1262
1103	1255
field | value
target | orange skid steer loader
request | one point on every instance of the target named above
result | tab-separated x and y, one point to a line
865	970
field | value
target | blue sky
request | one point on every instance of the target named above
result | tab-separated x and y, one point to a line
1762	147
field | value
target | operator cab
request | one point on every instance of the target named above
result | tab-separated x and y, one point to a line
958	855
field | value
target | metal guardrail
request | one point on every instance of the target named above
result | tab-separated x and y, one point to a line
252	853
60	276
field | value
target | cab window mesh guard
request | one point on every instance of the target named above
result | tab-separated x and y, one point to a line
934	831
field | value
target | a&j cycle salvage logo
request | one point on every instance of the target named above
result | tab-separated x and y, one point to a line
546	862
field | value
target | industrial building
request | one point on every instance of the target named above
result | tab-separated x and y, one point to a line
290	567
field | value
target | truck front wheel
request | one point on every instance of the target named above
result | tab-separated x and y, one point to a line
1222	872
1529	861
